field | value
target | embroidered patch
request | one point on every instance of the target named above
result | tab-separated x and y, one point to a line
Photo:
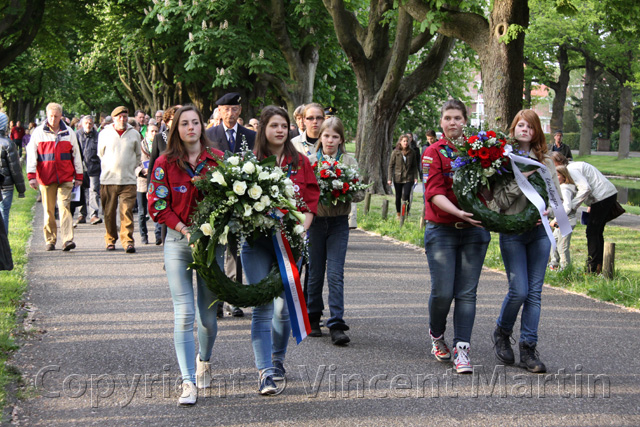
444	152
162	191
181	189
151	188
160	205
158	173
296	188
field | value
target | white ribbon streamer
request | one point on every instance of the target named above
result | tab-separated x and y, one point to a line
555	202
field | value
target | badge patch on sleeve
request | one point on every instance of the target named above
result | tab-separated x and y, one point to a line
151	188
181	189
162	191
160	205
158	173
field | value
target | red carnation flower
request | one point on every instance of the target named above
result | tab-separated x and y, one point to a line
491	134
471	152
495	153
315	165
324	173
503	142
324	162
485	163
335	193
345	188
483	153
473	139
338	172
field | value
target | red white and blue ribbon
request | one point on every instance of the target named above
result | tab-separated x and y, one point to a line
292	288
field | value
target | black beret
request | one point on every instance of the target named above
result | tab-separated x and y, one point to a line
330	111
232	98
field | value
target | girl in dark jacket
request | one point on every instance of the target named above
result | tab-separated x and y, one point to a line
402	170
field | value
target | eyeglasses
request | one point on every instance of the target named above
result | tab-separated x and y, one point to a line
314	119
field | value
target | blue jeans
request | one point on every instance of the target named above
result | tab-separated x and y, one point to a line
455	262
270	325
177	256
525	261
328	240
5	207
143	209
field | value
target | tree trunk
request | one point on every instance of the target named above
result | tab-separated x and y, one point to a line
527	94
586	128
374	142
560	90
626	119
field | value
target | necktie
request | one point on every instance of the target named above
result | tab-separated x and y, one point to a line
232	140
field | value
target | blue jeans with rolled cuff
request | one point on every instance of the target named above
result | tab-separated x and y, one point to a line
177	256
5	207
328	240
270	324
455	259
525	258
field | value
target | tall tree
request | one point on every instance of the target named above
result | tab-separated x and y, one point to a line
378	51
20	22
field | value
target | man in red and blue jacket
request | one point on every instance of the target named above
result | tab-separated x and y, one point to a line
54	164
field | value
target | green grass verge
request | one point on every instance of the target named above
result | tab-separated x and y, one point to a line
13	284
610	165
623	289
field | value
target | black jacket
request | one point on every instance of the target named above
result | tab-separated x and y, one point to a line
10	166
89	150
218	138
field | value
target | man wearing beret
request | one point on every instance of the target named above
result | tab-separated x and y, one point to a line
55	166
229	136
119	152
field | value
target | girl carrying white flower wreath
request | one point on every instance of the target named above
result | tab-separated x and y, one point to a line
270	324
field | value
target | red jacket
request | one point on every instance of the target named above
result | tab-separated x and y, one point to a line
171	194
304	182
438	179
17	132
54	157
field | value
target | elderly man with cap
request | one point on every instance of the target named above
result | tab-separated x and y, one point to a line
54	163
229	136
119	152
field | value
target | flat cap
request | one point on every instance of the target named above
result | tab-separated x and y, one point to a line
232	98
119	110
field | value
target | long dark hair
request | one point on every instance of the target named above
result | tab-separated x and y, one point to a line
261	146
176	151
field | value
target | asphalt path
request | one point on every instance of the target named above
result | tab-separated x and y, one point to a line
100	351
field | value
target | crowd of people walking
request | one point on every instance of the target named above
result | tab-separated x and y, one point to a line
149	164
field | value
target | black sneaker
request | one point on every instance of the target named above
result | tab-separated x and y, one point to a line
237	312
502	346
338	337
530	360
68	246
315	329
267	385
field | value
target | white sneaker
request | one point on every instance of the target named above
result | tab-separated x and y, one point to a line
203	373
189	393
461	358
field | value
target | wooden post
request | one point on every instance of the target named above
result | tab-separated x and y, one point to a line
385	208
608	260
367	203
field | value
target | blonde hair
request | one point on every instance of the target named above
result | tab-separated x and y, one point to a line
562	170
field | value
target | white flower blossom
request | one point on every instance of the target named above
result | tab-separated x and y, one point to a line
263	176
223	237
298	229
206	229
289	191
218	178
265	200
258	168
247	210
258	206
275	192
235	161
337	184
249	168
288	182
255	191
239	187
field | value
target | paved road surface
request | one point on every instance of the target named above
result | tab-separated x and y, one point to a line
104	354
